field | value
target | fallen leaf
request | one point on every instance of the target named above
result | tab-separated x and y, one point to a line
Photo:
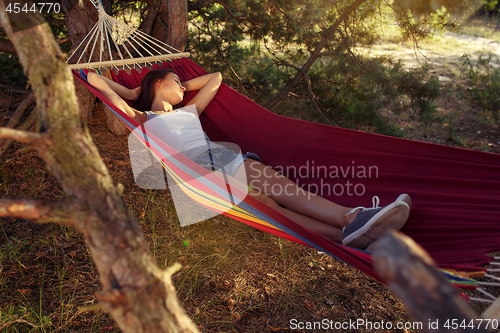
24	291
236	316
309	304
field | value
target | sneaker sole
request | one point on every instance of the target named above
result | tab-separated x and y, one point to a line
393	216
405	198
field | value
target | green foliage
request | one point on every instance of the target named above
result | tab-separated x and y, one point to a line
489	4
356	91
489	7
484	80
260	46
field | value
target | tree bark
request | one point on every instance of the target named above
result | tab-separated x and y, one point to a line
136	293
167	21
114	124
86	101
80	17
149	20
410	272
327	35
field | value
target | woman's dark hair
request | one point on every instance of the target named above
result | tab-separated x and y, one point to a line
147	95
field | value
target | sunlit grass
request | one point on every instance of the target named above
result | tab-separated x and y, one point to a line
485	27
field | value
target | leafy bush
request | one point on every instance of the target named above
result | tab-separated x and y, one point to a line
357	90
484	80
262	55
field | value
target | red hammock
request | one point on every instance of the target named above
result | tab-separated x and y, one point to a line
455	192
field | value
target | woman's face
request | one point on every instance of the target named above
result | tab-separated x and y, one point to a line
171	89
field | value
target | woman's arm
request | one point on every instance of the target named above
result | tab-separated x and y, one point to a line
116	93
208	85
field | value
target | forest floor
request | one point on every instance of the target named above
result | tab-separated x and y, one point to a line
234	278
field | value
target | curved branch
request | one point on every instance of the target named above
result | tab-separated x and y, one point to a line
6	46
5	144
239	18
37	139
326	36
41	211
313	99
18	114
199	5
283	12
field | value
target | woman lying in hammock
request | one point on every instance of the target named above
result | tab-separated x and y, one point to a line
162	89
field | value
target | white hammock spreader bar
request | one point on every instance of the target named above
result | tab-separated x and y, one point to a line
122	62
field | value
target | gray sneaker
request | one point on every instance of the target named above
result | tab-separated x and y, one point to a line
371	223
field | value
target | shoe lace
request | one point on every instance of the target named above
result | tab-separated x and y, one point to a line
375	202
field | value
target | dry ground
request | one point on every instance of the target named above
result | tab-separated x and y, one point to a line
460	120
234	278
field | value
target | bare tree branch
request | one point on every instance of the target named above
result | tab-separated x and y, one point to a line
37	139
40	211
19	91
30	121
326	36
239	18
410	272
313	99
14	120
200	4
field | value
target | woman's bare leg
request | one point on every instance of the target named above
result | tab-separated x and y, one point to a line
326	230
333	232
289	195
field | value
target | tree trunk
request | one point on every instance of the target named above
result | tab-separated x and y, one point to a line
114	124
86	101
136	293
167	21
80	17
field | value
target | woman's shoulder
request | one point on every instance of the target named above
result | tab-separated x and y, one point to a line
188	109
